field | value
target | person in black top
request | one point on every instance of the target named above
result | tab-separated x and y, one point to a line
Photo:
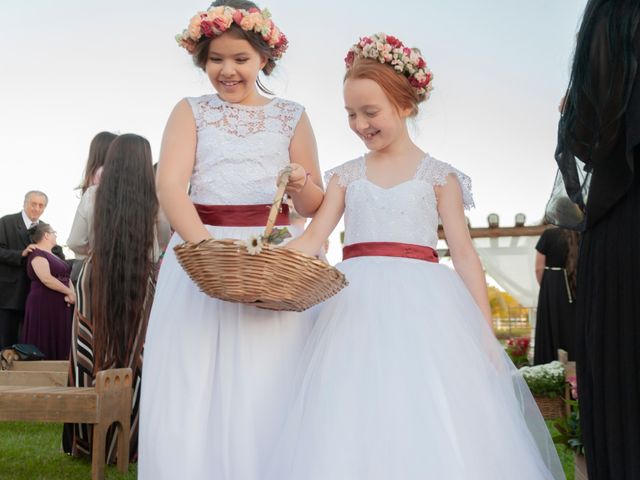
556	258
600	126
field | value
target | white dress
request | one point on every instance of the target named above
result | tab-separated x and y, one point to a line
217	375
401	377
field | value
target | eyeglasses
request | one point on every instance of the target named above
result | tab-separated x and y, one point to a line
52	232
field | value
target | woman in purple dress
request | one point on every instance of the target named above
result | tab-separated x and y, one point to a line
47	322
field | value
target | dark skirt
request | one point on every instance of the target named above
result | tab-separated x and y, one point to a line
608	341
556	318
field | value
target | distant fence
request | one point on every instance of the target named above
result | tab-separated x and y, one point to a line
517	322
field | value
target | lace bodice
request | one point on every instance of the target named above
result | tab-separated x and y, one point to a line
405	213
240	149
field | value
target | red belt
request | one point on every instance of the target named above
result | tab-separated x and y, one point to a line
240	215
390	249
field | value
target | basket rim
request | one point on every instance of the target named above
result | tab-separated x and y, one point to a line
192	246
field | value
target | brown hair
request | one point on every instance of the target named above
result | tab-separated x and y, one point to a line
201	52
36	233
571	265
124	218
97	153
395	86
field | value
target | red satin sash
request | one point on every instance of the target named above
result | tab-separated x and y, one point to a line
390	249
240	215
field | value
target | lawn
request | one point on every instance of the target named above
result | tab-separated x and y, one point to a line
32	451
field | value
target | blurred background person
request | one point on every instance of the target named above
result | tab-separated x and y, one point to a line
556	262
15	245
47	323
78	240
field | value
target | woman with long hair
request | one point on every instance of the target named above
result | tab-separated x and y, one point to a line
600	126
78	240
95	162
116	286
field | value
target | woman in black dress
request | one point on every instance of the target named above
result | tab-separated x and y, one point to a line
600	126
556	258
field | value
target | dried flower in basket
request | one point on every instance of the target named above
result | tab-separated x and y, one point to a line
255	243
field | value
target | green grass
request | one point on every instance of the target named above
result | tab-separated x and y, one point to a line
33	451
565	454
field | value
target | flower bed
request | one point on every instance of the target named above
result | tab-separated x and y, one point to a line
518	350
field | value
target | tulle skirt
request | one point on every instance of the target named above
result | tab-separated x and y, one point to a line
403	379
217	379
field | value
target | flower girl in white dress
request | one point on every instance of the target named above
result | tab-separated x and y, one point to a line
218	375
402	377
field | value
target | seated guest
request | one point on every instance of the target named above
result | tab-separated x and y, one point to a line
47	323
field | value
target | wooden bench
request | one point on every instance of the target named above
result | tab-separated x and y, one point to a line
40	366
36	373
107	403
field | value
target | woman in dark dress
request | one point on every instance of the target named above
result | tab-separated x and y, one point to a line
600	126
556	257
47	323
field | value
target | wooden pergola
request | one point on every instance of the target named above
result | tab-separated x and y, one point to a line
497	232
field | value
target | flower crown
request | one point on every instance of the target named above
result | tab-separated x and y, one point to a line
217	20
405	61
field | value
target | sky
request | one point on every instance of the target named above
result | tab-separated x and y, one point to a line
71	68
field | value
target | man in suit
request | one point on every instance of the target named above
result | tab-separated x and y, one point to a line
15	245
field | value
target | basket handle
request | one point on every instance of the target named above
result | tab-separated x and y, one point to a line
283	179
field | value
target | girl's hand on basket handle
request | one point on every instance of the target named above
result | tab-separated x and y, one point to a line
297	180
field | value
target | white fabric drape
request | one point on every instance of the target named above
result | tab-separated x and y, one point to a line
510	261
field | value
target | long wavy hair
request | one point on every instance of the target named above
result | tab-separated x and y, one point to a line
571	265
97	154
124	218
602	76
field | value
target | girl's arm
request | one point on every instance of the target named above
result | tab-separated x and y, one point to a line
305	182
324	221
540	263
43	272
177	157
464	256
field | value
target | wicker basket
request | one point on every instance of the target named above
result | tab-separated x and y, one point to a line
550	408
274	279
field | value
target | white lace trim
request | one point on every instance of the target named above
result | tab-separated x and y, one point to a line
347	172
278	116
435	172
431	170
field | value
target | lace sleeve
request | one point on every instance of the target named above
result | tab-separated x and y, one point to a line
346	173
291	113
436	172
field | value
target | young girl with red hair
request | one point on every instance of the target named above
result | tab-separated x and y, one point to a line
402	376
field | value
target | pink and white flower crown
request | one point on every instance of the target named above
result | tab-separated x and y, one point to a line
405	61
217	20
